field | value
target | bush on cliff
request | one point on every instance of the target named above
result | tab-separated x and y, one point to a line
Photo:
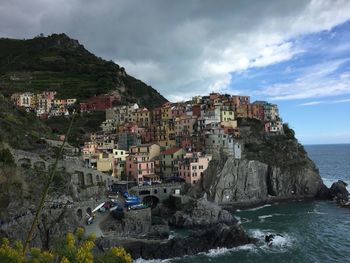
72	249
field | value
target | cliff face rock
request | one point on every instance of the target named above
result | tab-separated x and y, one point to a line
254	181
272	168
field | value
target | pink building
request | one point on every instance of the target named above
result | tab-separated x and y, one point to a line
177	111
50	95
139	166
191	168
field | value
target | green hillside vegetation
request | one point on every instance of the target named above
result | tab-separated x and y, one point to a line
83	125
60	63
18	128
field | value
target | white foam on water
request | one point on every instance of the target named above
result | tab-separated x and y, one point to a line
263	217
171	237
211	253
258	208
316	212
223	250
141	260
282	241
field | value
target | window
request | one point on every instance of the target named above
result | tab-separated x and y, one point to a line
155	191
164	190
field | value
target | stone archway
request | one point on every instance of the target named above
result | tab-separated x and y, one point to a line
80	214
25	162
40	165
88	178
151	200
81	180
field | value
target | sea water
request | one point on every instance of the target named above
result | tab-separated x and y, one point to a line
311	231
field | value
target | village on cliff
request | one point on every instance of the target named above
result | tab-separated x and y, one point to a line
173	142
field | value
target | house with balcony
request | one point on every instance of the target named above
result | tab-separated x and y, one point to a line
139	167
169	161
185	125
215	140
274	127
152	150
192	166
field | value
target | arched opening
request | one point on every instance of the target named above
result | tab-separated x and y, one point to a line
80	178
144	192
89	210
79	214
24	162
89	179
151	200
39	165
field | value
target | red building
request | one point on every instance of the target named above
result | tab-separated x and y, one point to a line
196	110
257	109
100	102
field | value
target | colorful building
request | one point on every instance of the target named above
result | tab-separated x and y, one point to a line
169	161
192	167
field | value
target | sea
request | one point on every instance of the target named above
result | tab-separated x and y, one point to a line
307	231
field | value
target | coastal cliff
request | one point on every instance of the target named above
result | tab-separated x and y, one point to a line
272	168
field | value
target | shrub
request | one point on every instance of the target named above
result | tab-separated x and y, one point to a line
74	248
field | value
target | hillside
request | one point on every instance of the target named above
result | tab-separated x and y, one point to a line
18	128
60	63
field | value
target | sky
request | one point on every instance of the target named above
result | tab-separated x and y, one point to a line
292	53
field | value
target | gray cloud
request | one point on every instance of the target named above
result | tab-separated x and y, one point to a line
181	48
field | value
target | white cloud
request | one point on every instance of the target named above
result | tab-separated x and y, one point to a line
342	101
317	81
311	103
181	48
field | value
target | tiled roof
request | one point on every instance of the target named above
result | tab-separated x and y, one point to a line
171	150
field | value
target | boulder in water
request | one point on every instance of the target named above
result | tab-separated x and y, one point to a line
338	192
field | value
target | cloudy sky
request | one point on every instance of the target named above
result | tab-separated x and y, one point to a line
293	53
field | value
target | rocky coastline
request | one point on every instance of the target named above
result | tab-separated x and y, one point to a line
218	235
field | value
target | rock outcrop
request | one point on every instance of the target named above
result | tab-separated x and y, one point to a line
271	168
201	213
251	181
219	235
339	193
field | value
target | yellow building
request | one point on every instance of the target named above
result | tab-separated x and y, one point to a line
152	150
166	134
227	115
185	125
143	117
104	163
27	100
166	112
118	163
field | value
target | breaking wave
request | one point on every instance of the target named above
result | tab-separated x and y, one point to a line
258	208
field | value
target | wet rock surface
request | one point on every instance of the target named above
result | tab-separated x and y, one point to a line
219	235
198	213
339	193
